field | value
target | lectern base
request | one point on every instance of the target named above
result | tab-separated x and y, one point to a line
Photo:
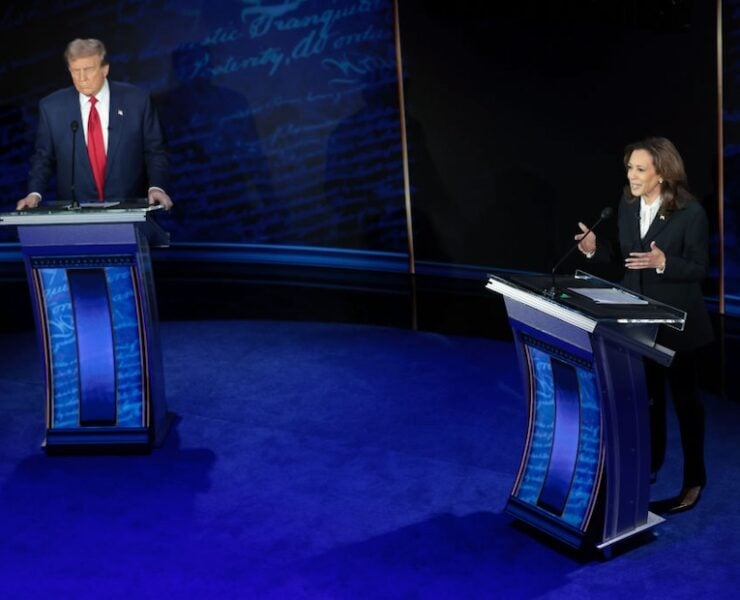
575	538
106	440
652	521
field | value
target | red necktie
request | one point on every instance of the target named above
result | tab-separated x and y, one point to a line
95	146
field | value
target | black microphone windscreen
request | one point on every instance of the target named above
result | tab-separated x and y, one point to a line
606	213
74	125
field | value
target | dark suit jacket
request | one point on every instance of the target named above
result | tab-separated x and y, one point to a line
136	158
683	237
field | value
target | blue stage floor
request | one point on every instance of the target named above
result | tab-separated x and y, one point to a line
332	461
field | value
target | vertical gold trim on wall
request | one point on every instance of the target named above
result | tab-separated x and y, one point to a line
405	161
720	160
404	146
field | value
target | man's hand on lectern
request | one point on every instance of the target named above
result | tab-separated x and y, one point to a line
157	196
30	201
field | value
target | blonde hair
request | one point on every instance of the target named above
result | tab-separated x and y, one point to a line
82	48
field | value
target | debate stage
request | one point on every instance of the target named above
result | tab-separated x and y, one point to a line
331	460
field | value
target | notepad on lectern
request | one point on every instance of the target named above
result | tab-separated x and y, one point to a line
609	296
98	204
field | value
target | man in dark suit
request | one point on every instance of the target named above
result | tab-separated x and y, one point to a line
121	155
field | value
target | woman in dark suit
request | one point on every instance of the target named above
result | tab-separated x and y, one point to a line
663	240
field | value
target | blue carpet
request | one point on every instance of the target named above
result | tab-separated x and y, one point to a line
315	460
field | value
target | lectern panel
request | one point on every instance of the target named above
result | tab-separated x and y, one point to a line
94	348
59	346
130	349
561	465
561	470
96	360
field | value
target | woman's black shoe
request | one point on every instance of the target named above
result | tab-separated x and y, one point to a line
686	500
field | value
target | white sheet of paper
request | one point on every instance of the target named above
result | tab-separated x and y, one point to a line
609	296
98	204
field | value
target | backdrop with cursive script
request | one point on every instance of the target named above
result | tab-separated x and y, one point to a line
282	116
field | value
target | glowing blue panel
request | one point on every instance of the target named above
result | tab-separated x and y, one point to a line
538	458
62	347
128	351
556	487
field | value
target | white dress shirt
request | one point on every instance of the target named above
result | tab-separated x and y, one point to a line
647	213
647	216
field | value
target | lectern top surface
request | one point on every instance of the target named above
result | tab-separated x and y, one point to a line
57	213
578	293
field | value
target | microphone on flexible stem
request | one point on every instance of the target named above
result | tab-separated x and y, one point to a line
74	126
605	214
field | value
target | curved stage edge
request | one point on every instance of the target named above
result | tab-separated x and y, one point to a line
242	281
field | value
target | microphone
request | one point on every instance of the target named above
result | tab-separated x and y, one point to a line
74	126
605	214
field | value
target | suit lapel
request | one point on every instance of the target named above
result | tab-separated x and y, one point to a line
73	107
634	223
116	115
83	172
659	222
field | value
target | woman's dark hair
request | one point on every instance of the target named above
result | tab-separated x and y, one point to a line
674	188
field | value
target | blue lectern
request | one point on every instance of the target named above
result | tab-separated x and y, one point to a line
584	476
92	290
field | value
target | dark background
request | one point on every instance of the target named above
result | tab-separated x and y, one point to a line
526	109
